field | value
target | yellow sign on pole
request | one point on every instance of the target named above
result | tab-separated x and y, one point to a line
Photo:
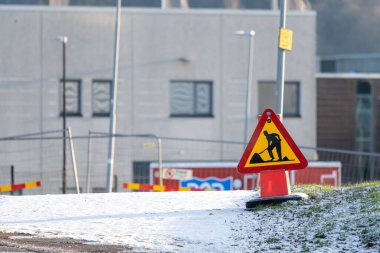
286	39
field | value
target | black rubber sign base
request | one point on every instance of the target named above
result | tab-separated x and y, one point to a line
275	200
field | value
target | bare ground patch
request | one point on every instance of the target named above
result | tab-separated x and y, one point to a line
17	242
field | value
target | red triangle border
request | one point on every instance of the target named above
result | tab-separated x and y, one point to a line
247	152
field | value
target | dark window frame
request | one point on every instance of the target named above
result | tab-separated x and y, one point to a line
297	114
298	94
328	65
195	114
79	99
364	90
98	114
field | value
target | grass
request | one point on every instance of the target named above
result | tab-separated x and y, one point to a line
370	237
315	209
366	184
274	207
373	197
316	188
370	201
272	240
313	190
320	234
324	231
344	218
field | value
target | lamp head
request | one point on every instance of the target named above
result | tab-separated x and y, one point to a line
63	39
250	33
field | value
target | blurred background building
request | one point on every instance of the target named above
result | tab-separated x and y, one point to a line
348	98
183	74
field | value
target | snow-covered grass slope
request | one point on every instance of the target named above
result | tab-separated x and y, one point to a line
343	220
332	220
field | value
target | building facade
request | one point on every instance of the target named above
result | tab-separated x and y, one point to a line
352	101
347	119
183	74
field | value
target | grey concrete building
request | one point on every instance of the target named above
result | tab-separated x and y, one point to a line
183	73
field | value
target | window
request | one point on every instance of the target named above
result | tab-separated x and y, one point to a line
328	66
101	98
141	172
191	99
364	112
364	129
73	98
267	98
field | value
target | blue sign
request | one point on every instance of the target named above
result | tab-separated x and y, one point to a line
209	182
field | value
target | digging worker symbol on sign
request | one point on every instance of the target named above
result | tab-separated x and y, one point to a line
274	141
271	148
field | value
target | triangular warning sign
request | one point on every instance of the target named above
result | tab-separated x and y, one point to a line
271	148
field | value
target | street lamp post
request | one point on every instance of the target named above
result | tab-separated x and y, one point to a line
113	114
64	41
248	97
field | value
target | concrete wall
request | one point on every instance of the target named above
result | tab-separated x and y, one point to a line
152	42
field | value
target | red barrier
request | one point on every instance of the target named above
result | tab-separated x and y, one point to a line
15	187
224	175
150	187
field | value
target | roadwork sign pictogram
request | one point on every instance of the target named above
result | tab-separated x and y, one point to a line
271	148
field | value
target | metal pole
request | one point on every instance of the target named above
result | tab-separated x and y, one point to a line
274	5
280	83
281	66
73	159
249	89
159	144
12	177
88	162
112	129
248	97
163	4
64	173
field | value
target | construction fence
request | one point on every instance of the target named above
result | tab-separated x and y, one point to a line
39	157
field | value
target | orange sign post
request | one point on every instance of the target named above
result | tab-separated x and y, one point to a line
271	152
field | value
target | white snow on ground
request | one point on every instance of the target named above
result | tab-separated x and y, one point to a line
199	221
